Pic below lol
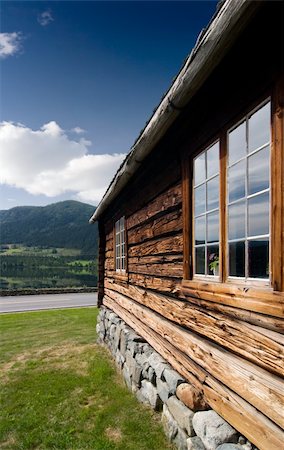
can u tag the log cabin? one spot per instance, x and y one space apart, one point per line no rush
191 229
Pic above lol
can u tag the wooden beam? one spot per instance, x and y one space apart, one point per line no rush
172 244
163 284
251 343
165 224
277 186
257 386
168 200
186 215
173 270
252 299
240 414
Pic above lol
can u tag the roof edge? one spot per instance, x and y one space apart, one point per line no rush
210 48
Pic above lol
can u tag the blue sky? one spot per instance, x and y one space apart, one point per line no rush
78 82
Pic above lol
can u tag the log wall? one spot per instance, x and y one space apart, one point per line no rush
228 343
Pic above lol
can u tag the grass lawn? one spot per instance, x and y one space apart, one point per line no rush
59 390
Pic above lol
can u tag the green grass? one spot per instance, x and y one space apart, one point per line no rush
60 390
22 250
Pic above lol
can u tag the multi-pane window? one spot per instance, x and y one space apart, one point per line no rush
248 196
246 180
206 211
120 265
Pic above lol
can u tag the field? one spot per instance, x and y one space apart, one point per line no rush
61 391
45 267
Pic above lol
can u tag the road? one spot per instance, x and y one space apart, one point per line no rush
46 301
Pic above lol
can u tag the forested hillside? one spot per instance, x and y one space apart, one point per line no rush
64 224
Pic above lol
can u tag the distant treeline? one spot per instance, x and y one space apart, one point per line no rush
63 224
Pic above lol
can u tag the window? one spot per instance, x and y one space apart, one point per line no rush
248 196
120 265
206 211
234 225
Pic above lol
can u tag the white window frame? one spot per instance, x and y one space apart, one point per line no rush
120 245
246 278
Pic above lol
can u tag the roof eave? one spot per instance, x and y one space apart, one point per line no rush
221 33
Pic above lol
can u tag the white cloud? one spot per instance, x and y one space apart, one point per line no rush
10 44
45 18
46 161
78 130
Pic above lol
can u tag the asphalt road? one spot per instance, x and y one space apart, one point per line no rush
46 301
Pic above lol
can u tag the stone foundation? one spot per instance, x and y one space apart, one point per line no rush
188 422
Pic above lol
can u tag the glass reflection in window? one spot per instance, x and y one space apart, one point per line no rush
206 210
249 196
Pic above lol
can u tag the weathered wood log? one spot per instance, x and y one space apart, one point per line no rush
169 199
109 245
174 270
162 284
269 322
158 259
168 223
257 386
154 184
256 427
243 339
252 299
260 320
172 244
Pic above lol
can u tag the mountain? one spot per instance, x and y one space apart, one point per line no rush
63 224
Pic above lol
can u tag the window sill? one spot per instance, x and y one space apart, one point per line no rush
258 299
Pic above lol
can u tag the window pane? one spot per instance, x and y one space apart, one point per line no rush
199 169
237 181
200 260
237 217
199 230
213 227
237 143
213 260
258 215
258 171
213 160
237 259
213 193
258 257
259 128
199 200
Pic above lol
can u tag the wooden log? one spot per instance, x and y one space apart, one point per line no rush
109 245
147 185
161 284
243 339
277 185
166 201
252 299
171 244
168 223
110 254
257 386
157 259
240 414
174 270
271 323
